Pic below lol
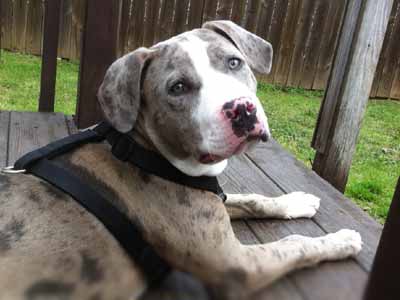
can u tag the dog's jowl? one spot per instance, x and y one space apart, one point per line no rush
192 100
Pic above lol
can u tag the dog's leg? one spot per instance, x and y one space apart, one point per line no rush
235 271
290 206
259 265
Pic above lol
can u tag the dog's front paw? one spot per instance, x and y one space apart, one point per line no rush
299 205
342 244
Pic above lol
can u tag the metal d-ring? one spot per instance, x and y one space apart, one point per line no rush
10 170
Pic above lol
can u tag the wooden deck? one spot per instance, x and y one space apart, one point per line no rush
268 170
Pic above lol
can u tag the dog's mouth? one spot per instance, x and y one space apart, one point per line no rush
210 158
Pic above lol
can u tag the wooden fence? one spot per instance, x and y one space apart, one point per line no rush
303 32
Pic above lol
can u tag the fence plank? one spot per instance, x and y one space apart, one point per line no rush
99 50
196 13
391 50
131 28
267 10
383 56
329 41
1 27
302 38
395 91
274 35
78 13
123 27
238 11
20 13
166 19
181 12
64 39
7 24
282 64
210 10
252 14
314 44
49 60
138 21
150 22
224 9
34 36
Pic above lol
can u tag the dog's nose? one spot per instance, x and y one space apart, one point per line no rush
243 116
240 108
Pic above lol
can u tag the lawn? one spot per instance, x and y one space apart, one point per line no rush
292 114
20 82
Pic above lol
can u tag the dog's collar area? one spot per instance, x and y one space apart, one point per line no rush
125 148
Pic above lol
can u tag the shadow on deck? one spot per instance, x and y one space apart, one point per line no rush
268 170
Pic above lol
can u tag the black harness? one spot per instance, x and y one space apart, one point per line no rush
39 163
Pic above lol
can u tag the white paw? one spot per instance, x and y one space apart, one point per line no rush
299 205
344 243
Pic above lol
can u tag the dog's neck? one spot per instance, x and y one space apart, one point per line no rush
143 140
138 133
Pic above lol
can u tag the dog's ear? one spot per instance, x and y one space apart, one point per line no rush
119 94
257 52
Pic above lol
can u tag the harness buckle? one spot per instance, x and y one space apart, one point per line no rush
11 170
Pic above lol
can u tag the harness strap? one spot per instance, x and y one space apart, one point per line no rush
57 148
130 238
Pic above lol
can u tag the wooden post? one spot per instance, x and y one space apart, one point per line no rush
99 50
348 89
49 55
383 282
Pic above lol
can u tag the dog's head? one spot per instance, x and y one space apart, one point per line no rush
194 95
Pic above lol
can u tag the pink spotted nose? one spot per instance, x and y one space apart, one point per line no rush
242 113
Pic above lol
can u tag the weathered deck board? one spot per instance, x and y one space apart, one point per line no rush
268 170
29 131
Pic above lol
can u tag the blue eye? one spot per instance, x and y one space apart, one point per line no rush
234 63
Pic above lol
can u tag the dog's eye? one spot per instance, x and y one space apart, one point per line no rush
234 63
178 89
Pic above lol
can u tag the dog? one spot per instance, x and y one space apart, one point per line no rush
192 99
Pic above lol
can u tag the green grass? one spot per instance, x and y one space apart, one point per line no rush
20 83
292 115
